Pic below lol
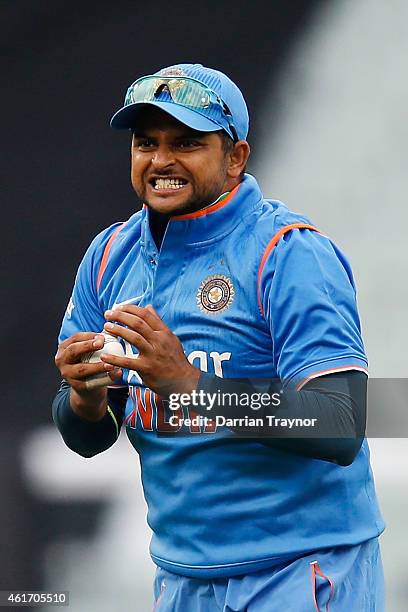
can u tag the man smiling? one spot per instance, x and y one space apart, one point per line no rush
230 287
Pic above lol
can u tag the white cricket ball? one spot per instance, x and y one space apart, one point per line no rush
112 346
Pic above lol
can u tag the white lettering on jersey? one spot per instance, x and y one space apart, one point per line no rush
218 359
70 307
132 373
202 358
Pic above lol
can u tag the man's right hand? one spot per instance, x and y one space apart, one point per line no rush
90 404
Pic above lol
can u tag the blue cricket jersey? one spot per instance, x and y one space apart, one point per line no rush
248 299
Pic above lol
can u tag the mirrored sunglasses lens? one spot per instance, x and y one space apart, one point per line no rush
189 94
144 91
182 91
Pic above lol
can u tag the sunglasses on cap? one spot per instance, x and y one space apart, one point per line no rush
184 91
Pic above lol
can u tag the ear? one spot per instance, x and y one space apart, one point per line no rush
238 158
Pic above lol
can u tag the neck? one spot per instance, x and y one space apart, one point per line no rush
158 223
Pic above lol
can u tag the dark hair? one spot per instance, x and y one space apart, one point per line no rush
226 141
228 146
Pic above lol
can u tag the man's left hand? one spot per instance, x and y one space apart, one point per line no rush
161 362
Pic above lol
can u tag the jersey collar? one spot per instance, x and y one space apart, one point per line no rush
210 223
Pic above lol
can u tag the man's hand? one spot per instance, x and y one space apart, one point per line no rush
161 362
90 404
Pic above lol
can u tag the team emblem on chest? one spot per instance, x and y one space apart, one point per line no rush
215 294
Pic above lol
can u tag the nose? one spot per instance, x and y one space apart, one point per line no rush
163 157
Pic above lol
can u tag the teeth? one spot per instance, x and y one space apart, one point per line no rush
166 183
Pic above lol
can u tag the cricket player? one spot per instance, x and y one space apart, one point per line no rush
264 502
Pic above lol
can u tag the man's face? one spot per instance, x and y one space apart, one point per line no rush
176 169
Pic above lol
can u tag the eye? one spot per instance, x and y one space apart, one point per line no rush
143 144
188 143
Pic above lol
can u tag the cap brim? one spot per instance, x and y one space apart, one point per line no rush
128 117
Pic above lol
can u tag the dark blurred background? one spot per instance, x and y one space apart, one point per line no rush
65 175
65 68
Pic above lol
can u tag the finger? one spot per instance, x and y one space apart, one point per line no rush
154 312
81 371
130 363
78 337
76 350
132 321
134 338
149 315
115 374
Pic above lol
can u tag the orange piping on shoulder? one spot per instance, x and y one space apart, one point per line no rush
105 255
271 245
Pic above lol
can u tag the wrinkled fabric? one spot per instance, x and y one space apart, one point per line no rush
355 572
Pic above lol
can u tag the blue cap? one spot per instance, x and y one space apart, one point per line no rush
208 119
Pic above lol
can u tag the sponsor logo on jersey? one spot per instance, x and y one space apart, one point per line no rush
70 308
215 294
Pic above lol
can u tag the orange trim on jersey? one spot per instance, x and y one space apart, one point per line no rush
315 569
206 211
105 255
313 576
330 371
271 245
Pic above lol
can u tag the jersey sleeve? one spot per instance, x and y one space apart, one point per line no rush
84 312
309 302
84 437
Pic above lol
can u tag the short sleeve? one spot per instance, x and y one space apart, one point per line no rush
84 313
309 301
